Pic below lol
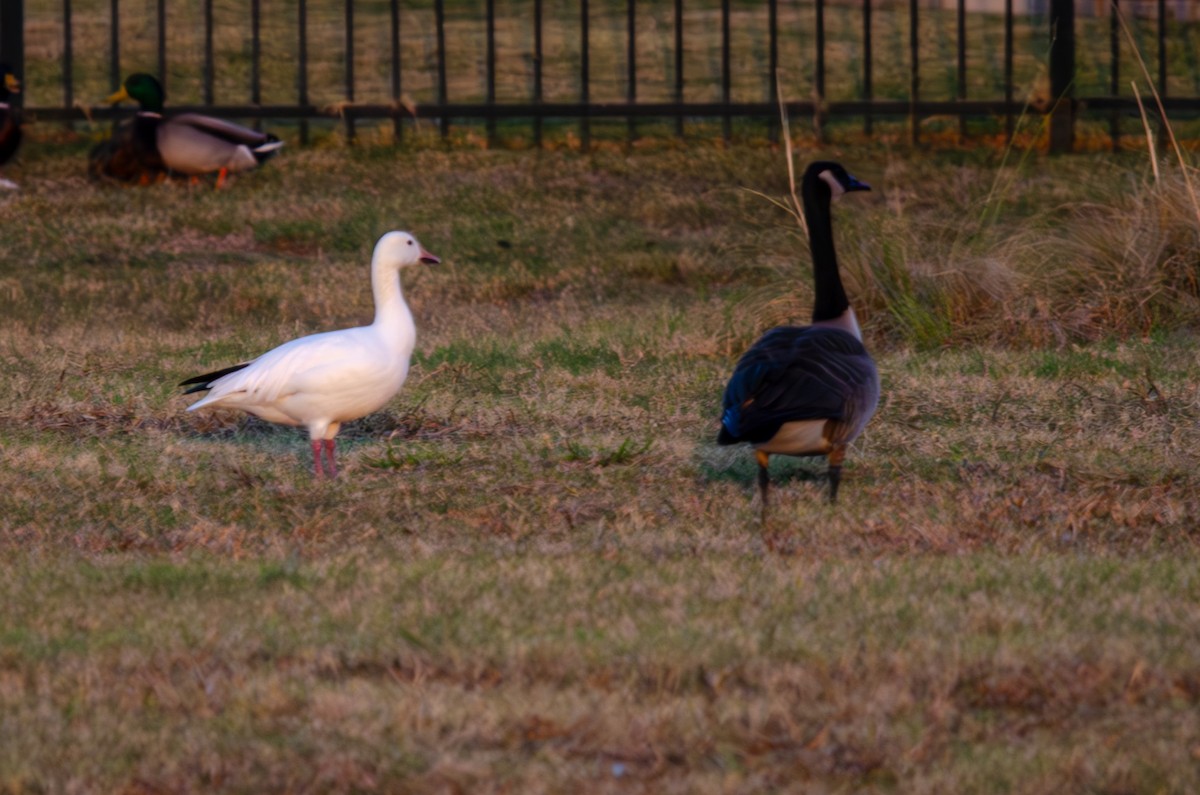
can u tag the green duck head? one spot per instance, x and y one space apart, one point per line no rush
143 89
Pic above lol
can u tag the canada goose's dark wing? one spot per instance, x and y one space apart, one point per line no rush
793 373
203 382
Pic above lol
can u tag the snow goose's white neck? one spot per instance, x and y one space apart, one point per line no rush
394 251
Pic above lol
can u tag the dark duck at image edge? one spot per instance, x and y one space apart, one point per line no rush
10 122
153 146
807 390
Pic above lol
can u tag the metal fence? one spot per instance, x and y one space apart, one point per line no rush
633 62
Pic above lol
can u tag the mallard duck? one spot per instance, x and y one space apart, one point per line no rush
807 390
323 380
189 143
10 123
130 155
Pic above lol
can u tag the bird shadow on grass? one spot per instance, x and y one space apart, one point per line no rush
232 426
379 426
737 465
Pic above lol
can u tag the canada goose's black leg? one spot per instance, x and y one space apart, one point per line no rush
835 478
836 456
764 482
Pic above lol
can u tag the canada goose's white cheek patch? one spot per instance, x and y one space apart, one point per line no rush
834 186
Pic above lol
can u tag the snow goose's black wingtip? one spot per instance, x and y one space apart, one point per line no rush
203 382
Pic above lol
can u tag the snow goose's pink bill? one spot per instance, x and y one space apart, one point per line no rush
323 380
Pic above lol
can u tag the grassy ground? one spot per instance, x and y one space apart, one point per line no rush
537 572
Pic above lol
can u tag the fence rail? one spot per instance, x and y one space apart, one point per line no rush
484 61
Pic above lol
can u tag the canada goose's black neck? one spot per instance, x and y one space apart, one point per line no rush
829 301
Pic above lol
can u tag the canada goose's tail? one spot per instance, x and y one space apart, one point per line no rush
730 421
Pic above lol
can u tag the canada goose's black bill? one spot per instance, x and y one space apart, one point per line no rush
856 184
842 183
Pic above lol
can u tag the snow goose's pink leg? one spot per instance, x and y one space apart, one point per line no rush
318 473
331 457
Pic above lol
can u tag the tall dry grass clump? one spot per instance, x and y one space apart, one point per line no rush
931 262
928 285
1120 268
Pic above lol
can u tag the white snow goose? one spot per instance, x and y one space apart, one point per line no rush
323 380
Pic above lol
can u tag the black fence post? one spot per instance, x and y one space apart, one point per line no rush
773 67
819 85
726 77
1114 87
537 71
351 131
12 39
914 80
114 44
439 23
1062 75
1163 135
867 90
1162 48
255 52
961 76
491 73
161 43
397 124
631 62
68 58
1009 124
585 123
208 52
678 88
302 66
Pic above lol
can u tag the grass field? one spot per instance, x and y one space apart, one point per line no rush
538 573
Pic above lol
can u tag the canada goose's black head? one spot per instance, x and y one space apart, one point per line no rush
833 176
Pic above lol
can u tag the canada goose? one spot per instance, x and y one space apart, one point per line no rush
323 380
10 124
807 390
190 143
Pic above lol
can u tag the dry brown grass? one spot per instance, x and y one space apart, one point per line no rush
538 573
